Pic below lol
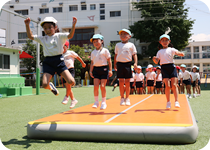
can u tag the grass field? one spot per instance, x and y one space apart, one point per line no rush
16 112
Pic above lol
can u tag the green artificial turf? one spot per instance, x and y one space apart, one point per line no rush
16 112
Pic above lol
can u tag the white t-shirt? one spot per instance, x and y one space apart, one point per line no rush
125 51
198 76
52 45
99 57
150 75
166 55
186 75
194 76
180 76
132 79
69 57
139 77
159 77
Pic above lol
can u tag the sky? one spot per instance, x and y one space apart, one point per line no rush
198 11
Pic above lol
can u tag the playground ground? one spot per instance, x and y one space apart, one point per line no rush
16 112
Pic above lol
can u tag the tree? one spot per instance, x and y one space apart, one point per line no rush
158 16
30 48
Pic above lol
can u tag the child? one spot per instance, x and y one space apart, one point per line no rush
139 80
132 86
199 83
179 76
150 79
194 75
124 51
53 49
187 79
98 68
159 81
168 69
69 57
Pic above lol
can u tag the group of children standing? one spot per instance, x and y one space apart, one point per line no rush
101 64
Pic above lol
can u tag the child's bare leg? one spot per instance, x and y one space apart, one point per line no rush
71 94
167 89
175 88
121 87
127 87
68 77
96 86
45 80
152 89
103 87
158 90
148 90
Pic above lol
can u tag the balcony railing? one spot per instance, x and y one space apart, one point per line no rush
196 55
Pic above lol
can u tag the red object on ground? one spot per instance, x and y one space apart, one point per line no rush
24 55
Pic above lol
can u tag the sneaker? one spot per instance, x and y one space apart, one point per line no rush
122 101
127 102
190 96
187 95
73 103
177 104
113 88
103 105
96 104
65 100
53 89
198 95
194 96
168 106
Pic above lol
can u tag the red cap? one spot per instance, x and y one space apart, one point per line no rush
67 43
177 67
154 69
147 69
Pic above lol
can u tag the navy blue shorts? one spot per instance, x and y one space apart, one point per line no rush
72 71
199 82
139 84
179 82
52 64
124 70
131 85
193 84
150 82
100 72
187 82
159 84
168 71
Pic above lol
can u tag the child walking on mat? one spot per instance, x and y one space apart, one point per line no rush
124 51
52 44
98 69
69 57
168 69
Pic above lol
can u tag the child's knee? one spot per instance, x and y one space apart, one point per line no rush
71 81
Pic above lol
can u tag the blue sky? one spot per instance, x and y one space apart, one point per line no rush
197 11
200 12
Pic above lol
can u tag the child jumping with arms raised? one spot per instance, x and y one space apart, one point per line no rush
124 51
52 44
168 69
69 57
98 69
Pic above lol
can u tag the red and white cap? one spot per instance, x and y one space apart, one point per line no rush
49 19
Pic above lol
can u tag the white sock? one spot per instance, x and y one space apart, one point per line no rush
103 99
96 98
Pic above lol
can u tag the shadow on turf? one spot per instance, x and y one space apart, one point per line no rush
26 141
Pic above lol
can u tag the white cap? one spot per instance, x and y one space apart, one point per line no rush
139 67
49 19
195 67
150 66
158 67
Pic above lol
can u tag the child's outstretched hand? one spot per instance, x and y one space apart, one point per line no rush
74 20
27 21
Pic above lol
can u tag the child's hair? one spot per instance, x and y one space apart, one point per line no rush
161 47
54 25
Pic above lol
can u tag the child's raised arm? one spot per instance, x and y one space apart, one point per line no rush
28 30
81 61
71 34
155 59
179 54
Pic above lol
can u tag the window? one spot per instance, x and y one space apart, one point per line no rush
102 5
32 8
196 52
92 6
4 61
102 11
102 17
115 13
83 7
206 48
57 9
22 37
22 12
44 10
73 8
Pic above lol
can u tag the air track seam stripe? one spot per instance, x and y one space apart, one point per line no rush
127 109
